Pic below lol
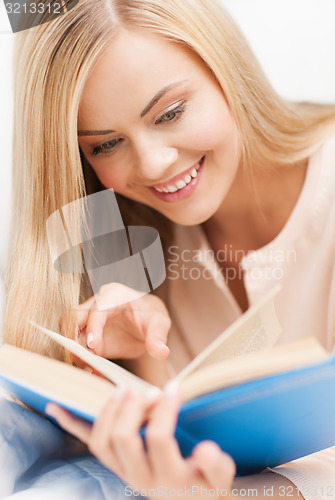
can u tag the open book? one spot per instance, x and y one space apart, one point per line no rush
239 391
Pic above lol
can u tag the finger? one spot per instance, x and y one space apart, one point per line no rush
104 434
75 426
128 443
156 337
100 442
82 312
161 444
94 329
75 319
217 467
151 319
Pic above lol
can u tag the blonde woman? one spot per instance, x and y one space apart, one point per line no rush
164 102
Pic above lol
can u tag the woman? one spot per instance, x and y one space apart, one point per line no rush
164 102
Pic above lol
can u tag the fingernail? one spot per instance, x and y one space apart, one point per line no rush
163 348
162 345
90 338
171 388
88 369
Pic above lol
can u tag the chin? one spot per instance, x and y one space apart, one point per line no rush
185 218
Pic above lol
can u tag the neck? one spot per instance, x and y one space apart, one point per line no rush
257 206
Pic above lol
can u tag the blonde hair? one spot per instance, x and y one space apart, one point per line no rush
53 62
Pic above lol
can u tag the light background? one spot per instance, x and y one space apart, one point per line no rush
293 39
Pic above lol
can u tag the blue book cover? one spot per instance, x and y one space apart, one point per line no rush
260 423
266 422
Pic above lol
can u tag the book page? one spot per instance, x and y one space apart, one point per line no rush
28 375
113 372
252 366
256 330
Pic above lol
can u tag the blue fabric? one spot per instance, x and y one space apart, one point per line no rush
37 461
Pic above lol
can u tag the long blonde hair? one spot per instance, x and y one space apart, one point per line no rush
52 64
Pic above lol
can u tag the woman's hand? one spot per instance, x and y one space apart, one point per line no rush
139 324
114 439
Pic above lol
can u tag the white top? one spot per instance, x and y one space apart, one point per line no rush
301 258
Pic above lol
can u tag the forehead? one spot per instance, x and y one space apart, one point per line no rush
135 66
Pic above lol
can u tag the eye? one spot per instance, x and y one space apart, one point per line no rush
107 147
172 115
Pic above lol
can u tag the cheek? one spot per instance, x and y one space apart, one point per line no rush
216 129
111 177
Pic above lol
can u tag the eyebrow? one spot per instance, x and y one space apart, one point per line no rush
159 96
146 110
95 132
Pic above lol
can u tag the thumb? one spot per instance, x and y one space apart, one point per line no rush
217 467
156 336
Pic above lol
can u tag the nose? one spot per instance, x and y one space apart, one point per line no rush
153 159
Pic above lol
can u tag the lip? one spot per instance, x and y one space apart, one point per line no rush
181 193
176 178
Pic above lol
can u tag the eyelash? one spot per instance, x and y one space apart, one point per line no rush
101 149
178 111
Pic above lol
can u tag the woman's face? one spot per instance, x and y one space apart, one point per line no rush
154 125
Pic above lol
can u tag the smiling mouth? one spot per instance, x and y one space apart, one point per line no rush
173 187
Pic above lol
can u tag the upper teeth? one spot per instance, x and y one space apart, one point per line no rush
181 183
